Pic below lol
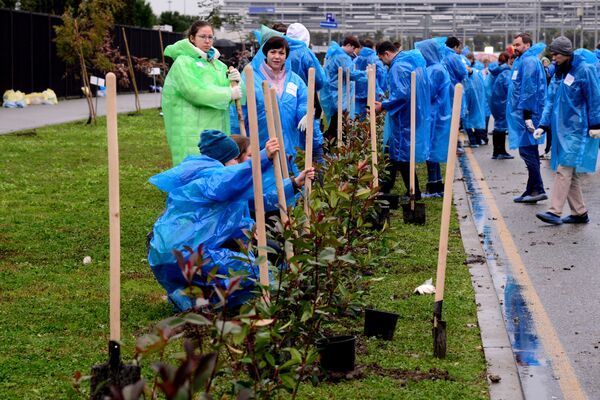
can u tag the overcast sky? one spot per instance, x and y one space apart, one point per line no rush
189 7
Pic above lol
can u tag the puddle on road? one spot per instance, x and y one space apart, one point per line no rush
534 368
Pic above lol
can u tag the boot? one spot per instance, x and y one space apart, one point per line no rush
440 188
497 138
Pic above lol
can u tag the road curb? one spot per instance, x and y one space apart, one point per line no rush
496 344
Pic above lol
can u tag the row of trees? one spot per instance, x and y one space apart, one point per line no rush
131 12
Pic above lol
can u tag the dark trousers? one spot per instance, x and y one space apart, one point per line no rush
530 155
392 170
434 171
548 141
330 135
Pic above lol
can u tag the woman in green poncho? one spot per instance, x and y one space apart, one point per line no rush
197 91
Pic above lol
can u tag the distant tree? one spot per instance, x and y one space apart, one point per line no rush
136 13
80 36
10 4
56 7
179 22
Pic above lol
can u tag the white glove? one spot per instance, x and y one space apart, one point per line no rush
529 125
538 133
236 93
302 124
595 133
426 288
234 75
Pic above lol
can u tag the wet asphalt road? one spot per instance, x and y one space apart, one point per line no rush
563 264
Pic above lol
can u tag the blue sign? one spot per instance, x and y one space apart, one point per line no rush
328 25
261 10
329 17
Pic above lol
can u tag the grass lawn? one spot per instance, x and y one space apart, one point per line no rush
54 309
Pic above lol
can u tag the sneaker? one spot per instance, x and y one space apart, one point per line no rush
473 146
505 157
530 199
495 156
460 151
549 218
576 219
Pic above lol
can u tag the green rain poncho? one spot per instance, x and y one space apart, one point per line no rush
196 96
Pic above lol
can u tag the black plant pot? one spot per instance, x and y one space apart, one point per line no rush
337 353
380 324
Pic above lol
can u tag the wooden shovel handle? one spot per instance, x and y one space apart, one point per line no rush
372 122
238 109
310 118
447 204
259 206
279 130
113 207
340 107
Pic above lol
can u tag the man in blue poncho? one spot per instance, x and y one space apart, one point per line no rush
497 89
441 112
338 56
572 111
526 96
456 69
474 104
366 57
207 205
396 136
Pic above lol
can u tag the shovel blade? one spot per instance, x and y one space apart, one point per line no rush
113 373
439 339
413 213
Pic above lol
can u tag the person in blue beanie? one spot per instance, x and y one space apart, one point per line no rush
207 206
366 57
396 136
526 96
572 112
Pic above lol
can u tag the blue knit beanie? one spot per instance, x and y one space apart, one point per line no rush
217 145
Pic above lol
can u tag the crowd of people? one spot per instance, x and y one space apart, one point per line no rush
209 186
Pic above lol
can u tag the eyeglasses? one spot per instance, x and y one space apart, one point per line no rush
209 38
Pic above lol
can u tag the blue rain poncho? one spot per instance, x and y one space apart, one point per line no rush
572 107
396 135
337 57
527 91
292 107
368 56
474 101
301 59
497 88
484 99
207 205
455 67
441 103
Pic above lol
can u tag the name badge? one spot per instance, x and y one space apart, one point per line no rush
514 75
291 88
569 79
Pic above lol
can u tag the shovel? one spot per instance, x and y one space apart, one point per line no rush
114 372
439 326
340 107
413 212
238 110
259 206
310 117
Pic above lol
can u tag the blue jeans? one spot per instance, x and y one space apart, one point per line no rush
530 155
434 171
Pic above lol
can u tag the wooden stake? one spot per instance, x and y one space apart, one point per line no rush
276 160
340 107
113 207
279 130
348 91
138 106
238 109
372 122
310 117
259 206
413 135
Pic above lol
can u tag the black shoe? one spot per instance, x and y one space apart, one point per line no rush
549 218
505 157
495 156
576 219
